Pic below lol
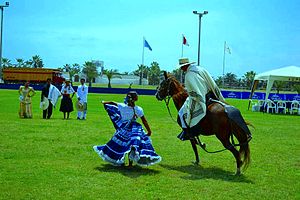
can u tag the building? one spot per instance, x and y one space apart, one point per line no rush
122 79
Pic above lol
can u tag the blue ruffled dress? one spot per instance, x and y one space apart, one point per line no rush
129 138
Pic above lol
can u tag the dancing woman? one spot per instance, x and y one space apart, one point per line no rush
130 137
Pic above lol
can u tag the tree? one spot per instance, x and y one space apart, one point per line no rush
248 78
28 63
75 69
20 62
66 67
71 69
142 72
154 73
110 74
177 73
90 70
230 79
296 87
240 82
6 63
219 81
279 85
37 62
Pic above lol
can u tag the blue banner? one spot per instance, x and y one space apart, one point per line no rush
225 93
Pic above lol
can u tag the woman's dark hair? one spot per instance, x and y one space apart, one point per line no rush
131 96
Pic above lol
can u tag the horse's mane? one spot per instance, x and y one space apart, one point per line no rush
176 82
179 93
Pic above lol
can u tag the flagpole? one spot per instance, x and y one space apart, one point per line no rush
224 64
143 51
142 61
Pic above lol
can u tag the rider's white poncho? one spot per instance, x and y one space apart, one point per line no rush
198 83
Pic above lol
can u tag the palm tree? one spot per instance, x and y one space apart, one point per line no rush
28 63
296 87
230 79
110 74
71 69
20 62
6 63
90 70
37 62
177 73
66 67
248 78
75 69
154 74
142 72
279 85
219 81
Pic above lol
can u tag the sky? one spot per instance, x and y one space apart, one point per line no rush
261 34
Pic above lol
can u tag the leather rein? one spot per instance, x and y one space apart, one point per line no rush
202 145
167 100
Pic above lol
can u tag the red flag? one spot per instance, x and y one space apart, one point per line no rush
184 41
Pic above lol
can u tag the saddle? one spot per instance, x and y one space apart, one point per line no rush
210 98
196 130
232 112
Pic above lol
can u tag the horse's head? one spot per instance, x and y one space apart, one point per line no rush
166 87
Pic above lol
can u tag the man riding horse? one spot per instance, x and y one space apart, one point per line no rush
200 87
202 111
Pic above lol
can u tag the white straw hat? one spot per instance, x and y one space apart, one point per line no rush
44 104
184 61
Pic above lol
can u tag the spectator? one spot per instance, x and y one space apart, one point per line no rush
26 93
66 105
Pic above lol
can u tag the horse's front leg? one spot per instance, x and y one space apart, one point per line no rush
194 145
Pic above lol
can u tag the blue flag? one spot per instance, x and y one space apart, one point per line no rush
146 44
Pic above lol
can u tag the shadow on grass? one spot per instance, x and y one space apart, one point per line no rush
132 172
197 172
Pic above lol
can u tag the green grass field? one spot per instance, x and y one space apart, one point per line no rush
54 159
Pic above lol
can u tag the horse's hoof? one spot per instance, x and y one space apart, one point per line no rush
195 162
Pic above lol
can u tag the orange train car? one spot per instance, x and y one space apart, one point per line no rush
34 75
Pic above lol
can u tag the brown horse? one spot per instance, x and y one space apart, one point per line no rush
216 122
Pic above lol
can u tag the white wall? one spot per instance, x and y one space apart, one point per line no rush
126 79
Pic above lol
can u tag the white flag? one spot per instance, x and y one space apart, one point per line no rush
227 49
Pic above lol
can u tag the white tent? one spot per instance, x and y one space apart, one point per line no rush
289 73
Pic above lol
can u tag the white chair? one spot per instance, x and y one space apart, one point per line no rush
255 106
295 106
270 106
261 104
281 106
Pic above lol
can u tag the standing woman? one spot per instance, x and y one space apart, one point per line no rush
66 105
130 138
26 93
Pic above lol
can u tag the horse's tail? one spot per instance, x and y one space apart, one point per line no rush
242 137
241 131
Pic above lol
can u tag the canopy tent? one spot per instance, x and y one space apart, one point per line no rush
289 73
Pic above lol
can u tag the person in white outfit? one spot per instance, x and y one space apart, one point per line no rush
199 85
82 93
